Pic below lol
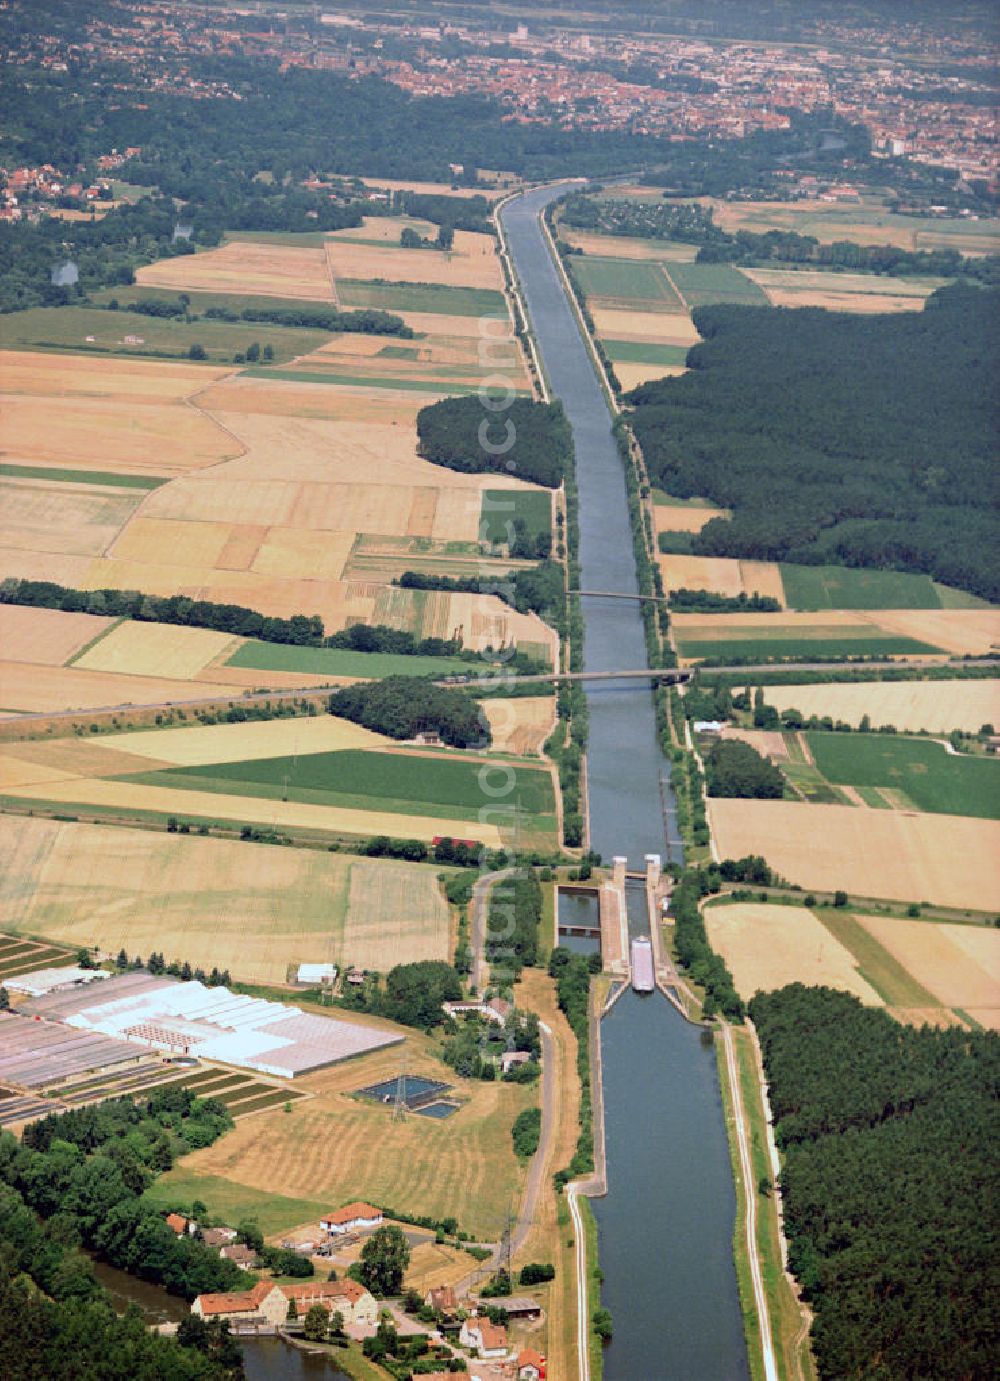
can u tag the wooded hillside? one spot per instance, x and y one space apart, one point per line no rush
854 440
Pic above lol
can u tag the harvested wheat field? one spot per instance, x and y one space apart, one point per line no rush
385 229
471 263
682 517
267 738
975 632
664 328
632 375
131 797
142 382
937 706
769 946
945 860
959 964
248 908
27 687
521 725
43 565
432 1265
843 302
337 1148
627 247
246 267
247 396
63 758
720 575
156 649
47 636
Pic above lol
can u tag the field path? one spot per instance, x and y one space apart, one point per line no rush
480 916
683 299
327 247
750 1197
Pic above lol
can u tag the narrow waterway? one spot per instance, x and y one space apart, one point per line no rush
666 1224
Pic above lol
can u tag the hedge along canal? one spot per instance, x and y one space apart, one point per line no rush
665 1227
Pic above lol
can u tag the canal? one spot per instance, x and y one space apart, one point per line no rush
666 1224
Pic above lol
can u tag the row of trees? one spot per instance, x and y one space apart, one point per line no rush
694 952
515 915
573 973
889 1136
539 589
876 431
530 440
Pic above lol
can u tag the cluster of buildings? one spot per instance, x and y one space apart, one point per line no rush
26 192
906 85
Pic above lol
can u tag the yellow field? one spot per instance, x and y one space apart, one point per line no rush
831 221
57 410
27 686
959 964
937 706
43 565
432 1265
60 759
384 228
246 266
844 302
131 797
684 518
719 574
337 1148
267 738
156 649
76 520
958 631
248 908
947 860
471 263
624 247
769 946
521 725
663 328
844 284
632 375
47 636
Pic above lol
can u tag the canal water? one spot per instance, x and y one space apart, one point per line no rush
666 1224
264 1359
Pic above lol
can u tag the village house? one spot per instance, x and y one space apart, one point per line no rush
442 1299
511 1058
218 1237
488 1340
243 1257
530 1365
352 1218
266 1304
177 1223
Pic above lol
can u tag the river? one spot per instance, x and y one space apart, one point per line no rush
666 1224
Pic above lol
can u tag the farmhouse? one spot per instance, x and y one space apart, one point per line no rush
496 1010
218 1237
177 1223
267 1303
352 1218
442 1299
511 1058
530 1365
487 1339
243 1257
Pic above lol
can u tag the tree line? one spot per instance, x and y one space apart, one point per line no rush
877 432
889 1137
515 915
539 589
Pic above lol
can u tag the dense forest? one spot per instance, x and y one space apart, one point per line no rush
890 1181
404 706
530 440
735 768
853 440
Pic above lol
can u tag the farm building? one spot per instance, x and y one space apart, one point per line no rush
352 1218
268 1303
487 1340
243 1257
324 974
530 1365
44 981
214 1023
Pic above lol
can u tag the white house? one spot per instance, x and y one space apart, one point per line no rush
352 1218
324 974
487 1339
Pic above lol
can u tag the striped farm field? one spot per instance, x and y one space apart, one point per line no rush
54 517
522 724
249 908
934 706
920 773
472 262
644 352
207 743
843 587
626 283
703 285
464 1166
945 860
719 574
959 964
832 633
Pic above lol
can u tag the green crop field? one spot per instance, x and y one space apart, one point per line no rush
67 328
932 778
631 282
843 587
420 297
799 648
200 302
305 376
301 239
231 1202
644 352
533 507
703 285
339 661
45 472
406 784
